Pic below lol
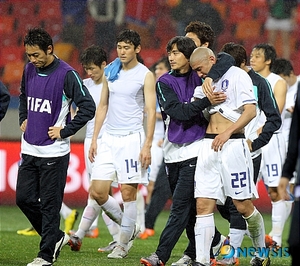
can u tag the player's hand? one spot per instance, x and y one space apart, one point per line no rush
219 141
160 143
93 151
207 86
290 109
54 132
282 188
145 157
24 125
217 97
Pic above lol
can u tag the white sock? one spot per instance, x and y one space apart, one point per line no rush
288 209
113 209
236 238
65 211
256 228
128 222
95 222
90 213
140 219
204 234
113 228
278 220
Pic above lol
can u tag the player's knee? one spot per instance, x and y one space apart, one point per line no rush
273 193
205 206
128 192
101 198
244 207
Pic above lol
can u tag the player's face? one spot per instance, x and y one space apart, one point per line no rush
194 37
95 72
38 57
126 52
257 60
160 69
202 67
177 60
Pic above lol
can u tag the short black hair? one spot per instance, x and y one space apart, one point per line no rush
282 66
129 36
39 37
185 45
237 51
93 55
204 32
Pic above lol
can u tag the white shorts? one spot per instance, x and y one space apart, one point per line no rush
118 159
273 157
279 24
228 172
156 160
88 164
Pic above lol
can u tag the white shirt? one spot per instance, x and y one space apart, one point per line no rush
273 78
95 91
289 102
126 101
238 89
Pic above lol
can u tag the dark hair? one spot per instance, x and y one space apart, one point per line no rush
237 51
39 37
282 66
129 36
185 45
93 55
269 52
203 31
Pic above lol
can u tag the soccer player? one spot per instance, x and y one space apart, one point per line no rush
124 153
224 157
93 60
284 69
265 104
262 59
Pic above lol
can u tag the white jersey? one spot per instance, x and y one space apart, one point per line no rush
274 153
289 102
273 78
238 89
228 172
95 91
126 101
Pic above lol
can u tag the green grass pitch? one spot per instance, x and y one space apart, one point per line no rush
16 250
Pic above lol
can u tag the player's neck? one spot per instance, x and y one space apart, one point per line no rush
98 81
129 65
265 72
